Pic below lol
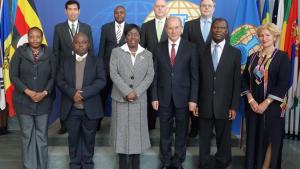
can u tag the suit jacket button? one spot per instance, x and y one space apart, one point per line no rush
215 92
172 74
131 86
34 78
132 77
215 78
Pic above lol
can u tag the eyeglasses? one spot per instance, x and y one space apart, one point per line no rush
207 6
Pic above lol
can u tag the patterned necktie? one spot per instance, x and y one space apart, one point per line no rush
172 58
159 30
35 54
215 56
205 30
73 29
118 34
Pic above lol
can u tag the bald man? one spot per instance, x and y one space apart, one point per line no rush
174 91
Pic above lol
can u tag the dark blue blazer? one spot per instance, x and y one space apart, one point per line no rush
178 82
93 81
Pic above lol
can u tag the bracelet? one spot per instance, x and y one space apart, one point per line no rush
268 100
251 100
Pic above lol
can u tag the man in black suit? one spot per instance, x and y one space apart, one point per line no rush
174 91
219 95
153 32
112 36
198 31
81 77
63 37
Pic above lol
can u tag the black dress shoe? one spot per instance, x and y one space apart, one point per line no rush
62 131
193 133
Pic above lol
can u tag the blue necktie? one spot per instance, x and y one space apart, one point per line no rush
215 56
205 30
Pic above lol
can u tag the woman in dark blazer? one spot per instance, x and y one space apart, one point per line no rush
32 72
265 84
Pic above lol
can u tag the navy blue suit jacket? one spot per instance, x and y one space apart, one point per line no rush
93 81
178 82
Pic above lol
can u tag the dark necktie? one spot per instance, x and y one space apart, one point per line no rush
172 58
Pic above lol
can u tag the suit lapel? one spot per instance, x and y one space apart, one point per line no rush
127 59
67 34
198 31
153 30
208 54
112 30
222 58
166 53
179 53
72 70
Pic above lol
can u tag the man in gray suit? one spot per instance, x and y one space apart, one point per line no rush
63 37
152 33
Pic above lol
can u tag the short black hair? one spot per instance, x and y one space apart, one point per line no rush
129 27
220 19
35 28
71 2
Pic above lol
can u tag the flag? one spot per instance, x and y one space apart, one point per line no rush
25 17
266 13
287 6
291 47
244 38
5 41
275 12
280 14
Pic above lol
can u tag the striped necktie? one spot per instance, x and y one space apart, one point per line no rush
119 34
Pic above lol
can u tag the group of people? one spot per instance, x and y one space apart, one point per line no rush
191 74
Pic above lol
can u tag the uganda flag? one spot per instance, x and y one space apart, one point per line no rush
25 18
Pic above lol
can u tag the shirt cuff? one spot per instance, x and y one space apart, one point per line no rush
275 98
245 92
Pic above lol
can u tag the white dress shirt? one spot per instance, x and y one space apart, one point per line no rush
176 45
220 48
122 26
140 49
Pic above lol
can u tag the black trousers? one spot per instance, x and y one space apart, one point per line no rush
82 132
129 161
151 114
223 138
167 117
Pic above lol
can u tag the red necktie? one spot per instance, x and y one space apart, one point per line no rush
172 58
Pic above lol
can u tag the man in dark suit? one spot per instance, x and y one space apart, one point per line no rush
63 37
81 77
153 32
174 91
198 31
219 95
112 36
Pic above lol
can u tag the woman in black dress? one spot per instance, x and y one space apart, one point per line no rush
265 83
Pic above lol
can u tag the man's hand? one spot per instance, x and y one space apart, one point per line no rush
77 98
155 105
196 112
192 106
31 94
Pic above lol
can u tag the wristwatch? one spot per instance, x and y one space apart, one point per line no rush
45 92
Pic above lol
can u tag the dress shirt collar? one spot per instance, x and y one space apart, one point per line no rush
139 50
75 23
221 44
177 42
122 25
163 20
203 19
80 58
